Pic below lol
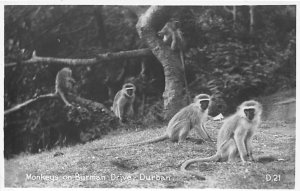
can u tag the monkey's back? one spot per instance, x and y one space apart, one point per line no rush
61 81
189 115
229 126
118 94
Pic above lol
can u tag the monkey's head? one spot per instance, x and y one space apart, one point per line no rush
129 89
251 110
203 101
167 31
67 70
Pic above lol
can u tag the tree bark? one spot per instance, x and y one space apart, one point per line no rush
100 26
251 13
86 62
147 27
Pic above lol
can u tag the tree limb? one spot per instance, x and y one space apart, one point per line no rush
81 101
232 11
20 106
86 62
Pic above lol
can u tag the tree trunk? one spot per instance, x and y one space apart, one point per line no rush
232 11
251 13
100 25
147 27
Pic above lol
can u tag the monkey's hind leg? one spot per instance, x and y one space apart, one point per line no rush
118 110
232 151
183 132
177 130
130 112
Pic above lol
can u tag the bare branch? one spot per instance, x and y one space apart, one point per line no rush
90 61
81 101
232 11
20 106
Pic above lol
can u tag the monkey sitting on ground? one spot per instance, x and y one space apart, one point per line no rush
64 84
123 102
171 33
191 116
235 136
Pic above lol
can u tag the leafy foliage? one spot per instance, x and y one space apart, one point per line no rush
223 58
234 64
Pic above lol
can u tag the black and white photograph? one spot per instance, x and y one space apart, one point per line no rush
149 96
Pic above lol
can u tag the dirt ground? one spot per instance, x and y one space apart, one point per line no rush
157 165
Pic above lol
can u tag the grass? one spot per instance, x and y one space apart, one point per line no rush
127 167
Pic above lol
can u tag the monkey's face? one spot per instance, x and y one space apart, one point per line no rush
249 113
130 92
166 32
251 110
164 36
202 100
204 104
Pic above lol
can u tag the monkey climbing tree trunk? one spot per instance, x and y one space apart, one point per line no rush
148 25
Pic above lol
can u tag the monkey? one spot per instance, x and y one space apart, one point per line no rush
191 116
123 102
64 83
171 33
235 136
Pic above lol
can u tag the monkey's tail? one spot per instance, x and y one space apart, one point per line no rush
161 138
183 167
184 73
